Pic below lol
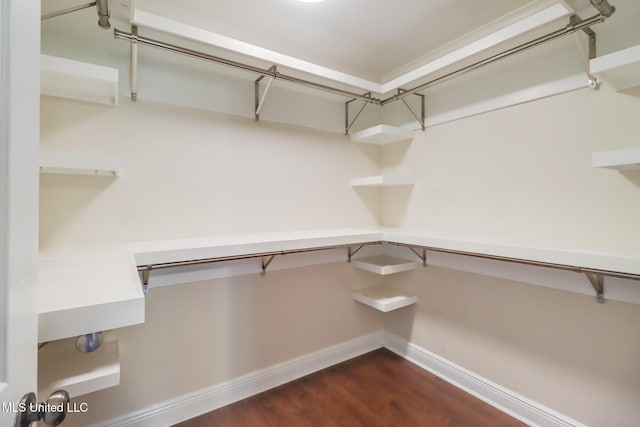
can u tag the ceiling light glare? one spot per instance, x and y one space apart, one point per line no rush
310 1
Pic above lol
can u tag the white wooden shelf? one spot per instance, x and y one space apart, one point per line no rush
67 78
78 164
381 181
382 134
384 298
84 290
627 159
383 264
61 366
620 69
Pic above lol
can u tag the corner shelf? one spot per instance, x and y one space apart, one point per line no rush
627 159
620 69
78 164
67 78
384 298
381 181
61 366
383 264
382 134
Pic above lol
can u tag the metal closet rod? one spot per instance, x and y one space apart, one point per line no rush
568 29
149 267
574 268
367 98
134 38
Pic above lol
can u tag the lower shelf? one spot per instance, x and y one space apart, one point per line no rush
61 366
384 298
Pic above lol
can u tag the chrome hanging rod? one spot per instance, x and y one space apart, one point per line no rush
149 267
69 10
568 29
102 7
134 38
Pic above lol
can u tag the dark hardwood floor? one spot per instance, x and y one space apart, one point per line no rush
376 389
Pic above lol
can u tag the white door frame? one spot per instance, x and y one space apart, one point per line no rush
19 145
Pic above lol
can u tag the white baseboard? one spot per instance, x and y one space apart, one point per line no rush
193 404
526 410
199 402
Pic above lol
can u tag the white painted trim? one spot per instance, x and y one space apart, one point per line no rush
160 23
150 20
567 84
196 403
509 32
526 410
193 404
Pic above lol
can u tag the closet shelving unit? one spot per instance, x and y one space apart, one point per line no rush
620 69
61 367
385 297
82 292
627 159
80 81
382 135
67 78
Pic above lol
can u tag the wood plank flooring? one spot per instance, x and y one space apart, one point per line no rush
376 389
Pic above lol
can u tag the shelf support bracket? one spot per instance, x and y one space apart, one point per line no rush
347 123
266 260
145 278
420 118
597 281
351 252
259 100
133 70
422 255
588 54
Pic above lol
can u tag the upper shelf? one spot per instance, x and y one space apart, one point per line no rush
85 290
618 159
78 164
620 69
67 78
382 134
383 264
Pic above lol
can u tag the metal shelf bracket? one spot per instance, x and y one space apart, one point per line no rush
259 100
588 54
351 252
145 278
420 118
422 255
133 70
347 123
266 260
597 281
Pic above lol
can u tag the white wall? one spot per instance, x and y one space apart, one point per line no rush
523 175
202 334
560 349
189 173
517 175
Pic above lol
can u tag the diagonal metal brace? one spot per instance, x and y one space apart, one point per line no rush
420 118
145 279
351 252
259 100
347 123
422 256
597 281
266 260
